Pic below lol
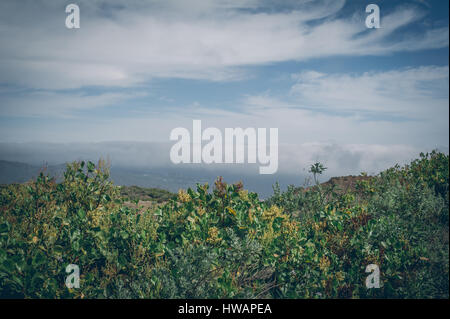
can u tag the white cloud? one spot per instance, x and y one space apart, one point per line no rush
414 93
122 46
295 159
59 105
345 159
397 107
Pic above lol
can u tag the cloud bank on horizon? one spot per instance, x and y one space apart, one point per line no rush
337 91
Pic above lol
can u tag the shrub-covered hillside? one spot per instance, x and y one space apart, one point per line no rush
136 193
225 242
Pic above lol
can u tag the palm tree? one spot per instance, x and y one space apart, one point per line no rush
317 169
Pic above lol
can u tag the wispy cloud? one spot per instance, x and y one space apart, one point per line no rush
412 93
340 159
50 104
403 106
199 40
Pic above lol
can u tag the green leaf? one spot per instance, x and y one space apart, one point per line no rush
37 281
58 249
138 217
91 167
8 266
38 259
76 245
2 255
122 261
277 224
81 213
124 234
4 228
17 281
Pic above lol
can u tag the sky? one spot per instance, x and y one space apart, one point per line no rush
357 99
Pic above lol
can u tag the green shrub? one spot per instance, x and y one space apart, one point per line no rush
227 243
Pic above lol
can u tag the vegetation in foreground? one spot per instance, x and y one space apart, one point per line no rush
227 243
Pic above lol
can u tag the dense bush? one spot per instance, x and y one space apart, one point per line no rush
226 242
136 193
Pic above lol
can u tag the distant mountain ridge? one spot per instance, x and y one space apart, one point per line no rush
165 178
17 172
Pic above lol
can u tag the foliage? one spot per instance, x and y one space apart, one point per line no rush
134 193
226 242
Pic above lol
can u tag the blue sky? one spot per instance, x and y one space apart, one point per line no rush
135 70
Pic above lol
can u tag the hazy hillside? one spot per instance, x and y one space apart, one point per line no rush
171 179
14 172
